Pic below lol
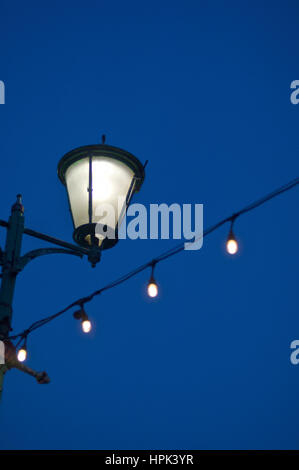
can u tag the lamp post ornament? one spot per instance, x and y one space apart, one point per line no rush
93 175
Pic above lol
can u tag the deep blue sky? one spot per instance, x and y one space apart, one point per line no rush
201 90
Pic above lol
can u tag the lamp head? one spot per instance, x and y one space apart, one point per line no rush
100 181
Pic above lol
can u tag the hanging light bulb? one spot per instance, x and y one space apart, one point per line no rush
86 325
152 286
231 242
85 322
22 353
152 289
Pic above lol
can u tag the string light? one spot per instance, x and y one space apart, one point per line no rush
231 242
85 322
22 353
152 286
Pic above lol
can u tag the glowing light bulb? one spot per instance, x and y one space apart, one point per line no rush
22 354
152 289
86 326
232 246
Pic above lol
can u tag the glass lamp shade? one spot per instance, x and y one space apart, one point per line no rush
100 182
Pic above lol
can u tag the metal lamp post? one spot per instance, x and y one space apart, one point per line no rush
94 175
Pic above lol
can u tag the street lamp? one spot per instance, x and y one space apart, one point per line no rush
100 182
96 176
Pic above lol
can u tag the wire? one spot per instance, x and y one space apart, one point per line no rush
162 257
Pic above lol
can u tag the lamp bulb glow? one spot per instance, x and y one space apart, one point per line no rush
152 289
86 326
22 355
232 246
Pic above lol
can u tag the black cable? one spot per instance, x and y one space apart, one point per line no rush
162 257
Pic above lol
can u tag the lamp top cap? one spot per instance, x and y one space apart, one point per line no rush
102 150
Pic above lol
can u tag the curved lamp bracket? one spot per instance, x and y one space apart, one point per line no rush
21 263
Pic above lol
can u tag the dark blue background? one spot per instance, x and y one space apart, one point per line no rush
201 90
